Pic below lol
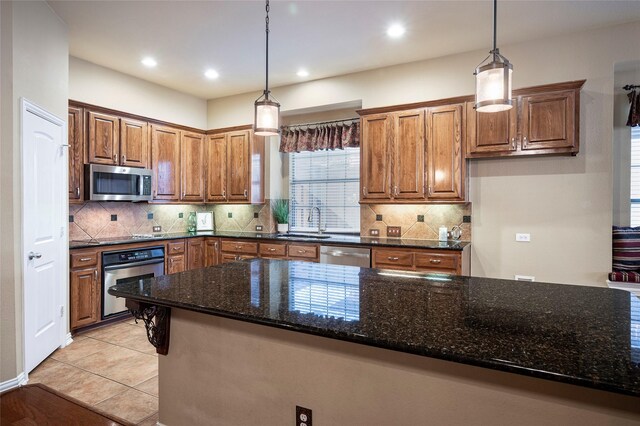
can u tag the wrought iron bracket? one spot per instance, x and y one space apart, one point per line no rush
156 320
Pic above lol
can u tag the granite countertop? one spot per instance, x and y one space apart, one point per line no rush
333 239
566 333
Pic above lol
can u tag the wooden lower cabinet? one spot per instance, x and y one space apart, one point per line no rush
84 297
176 263
442 261
211 252
195 253
273 250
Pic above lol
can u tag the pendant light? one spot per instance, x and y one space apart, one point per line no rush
267 110
493 79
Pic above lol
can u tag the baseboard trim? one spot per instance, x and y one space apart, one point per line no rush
68 340
13 383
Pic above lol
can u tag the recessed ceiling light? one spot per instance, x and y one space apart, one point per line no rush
302 73
211 74
395 31
149 62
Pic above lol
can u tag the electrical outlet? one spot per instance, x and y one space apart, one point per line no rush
374 232
524 238
258 227
157 228
466 219
393 231
524 278
303 416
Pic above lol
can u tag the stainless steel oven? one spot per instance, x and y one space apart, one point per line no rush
127 266
115 183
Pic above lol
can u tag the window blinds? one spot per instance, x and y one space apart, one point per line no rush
329 180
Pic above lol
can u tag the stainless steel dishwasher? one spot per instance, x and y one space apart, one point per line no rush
350 256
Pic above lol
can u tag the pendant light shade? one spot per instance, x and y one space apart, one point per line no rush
493 78
267 110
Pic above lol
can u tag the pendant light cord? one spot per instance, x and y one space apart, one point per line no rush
266 90
495 26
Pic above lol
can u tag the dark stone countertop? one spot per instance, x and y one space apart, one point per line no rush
334 239
585 336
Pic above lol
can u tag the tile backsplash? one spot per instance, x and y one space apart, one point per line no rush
120 219
419 221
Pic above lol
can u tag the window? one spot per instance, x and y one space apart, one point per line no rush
635 176
329 180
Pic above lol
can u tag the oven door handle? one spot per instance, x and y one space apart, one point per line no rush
132 264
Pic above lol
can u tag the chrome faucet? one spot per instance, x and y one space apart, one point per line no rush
320 230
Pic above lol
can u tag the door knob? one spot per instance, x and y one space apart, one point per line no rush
33 255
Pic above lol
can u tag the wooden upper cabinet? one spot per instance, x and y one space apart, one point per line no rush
76 154
165 162
238 165
409 151
192 166
375 156
491 132
445 163
549 121
103 138
134 143
216 165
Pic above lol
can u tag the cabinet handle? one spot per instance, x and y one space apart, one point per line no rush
215 246
95 275
115 158
395 190
272 249
245 192
513 143
171 259
436 261
302 251
429 189
238 247
364 191
78 191
124 159
176 248
524 141
393 258
224 194
85 259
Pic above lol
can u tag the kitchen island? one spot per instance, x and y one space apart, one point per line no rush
248 341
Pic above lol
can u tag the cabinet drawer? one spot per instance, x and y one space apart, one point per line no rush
228 258
302 251
80 260
273 250
175 247
239 247
437 261
393 258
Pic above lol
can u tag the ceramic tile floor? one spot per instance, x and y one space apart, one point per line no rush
114 369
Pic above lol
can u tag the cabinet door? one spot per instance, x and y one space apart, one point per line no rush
76 154
134 143
103 138
375 157
195 253
216 161
176 264
445 162
192 167
548 122
409 148
211 251
84 292
238 161
491 132
165 162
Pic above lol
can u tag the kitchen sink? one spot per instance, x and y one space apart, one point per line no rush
316 236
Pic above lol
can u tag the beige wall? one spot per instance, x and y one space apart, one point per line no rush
102 86
625 73
564 202
226 372
35 66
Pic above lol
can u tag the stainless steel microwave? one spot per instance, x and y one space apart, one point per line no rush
115 183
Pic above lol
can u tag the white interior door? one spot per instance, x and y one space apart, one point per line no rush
44 194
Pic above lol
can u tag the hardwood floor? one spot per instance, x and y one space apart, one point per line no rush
114 369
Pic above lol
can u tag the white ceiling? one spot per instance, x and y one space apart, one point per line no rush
326 37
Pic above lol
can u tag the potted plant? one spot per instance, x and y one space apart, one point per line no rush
280 210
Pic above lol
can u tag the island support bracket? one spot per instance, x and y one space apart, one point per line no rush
156 320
